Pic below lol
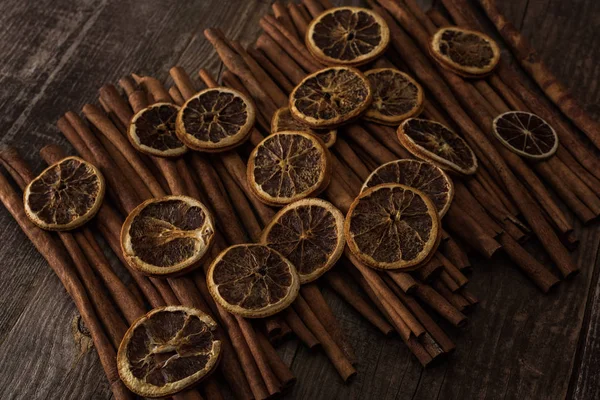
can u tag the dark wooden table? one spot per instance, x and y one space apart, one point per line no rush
55 54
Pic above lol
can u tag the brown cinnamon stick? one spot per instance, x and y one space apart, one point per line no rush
299 328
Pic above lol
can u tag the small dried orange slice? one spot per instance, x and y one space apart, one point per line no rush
330 97
434 142
420 175
283 121
152 131
252 280
167 236
168 350
465 52
392 226
65 195
347 36
215 119
288 166
526 134
309 233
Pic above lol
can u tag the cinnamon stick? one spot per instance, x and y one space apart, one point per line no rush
300 329
434 300
271 69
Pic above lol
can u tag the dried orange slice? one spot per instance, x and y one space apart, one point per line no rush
167 236
215 119
434 142
168 350
526 134
465 52
283 121
347 36
252 280
420 175
392 226
288 166
330 97
65 195
309 233
152 131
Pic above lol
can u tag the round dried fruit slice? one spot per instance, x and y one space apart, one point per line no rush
330 97
392 226
465 52
288 166
420 175
434 142
215 119
283 121
396 96
152 131
347 36
167 236
252 280
65 195
526 134
168 350
309 233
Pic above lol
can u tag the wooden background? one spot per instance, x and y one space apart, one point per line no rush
55 54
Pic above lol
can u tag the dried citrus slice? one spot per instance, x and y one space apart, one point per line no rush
283 121
215 119
65 195
309 233
330 97
392 226
347 36
434 142
420 175
168 350
396 96
288 166
152 131
526 134
252 280
167 236
468 53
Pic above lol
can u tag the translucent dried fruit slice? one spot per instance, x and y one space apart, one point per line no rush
526 134
347 36
215 119
330 97
168 350
468 53
167 236
152 131
396 96
288 166
392 226
253 280
283 121
420 175
65 195
434 142
309 233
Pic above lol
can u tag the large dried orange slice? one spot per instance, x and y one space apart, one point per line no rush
330 97
152 131
347 36
65 195
215 119
168 350
396 96
421 175
526 134
167 236
288 166
309 233
253 280
283 121
392 226
434 142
